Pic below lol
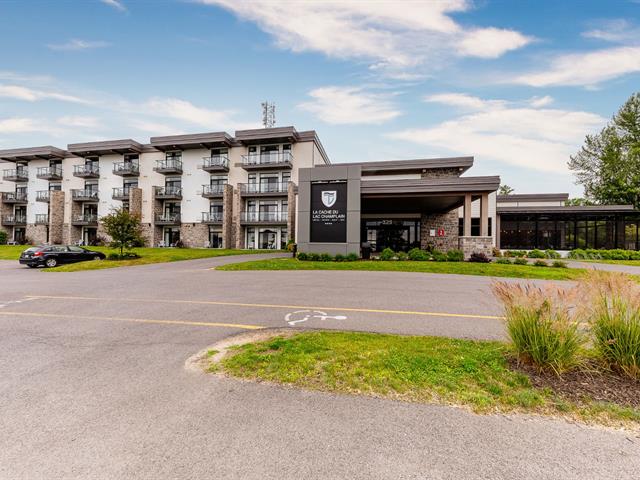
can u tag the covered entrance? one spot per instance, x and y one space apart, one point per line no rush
396 234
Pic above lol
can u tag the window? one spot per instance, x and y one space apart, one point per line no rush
76 249
251 237
173 156
475 227
283 239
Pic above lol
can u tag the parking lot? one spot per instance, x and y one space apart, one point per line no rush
93 384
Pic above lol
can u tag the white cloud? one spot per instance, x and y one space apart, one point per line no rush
79 121
534 138
617 31
76 44
117 4
188 112
349 105
20 92
393 36
461 100
539 102
585 69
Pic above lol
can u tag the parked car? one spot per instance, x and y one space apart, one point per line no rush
52 255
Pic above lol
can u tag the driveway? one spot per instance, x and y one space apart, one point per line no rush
93 384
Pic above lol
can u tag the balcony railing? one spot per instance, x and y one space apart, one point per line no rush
211 191
87 170
121 193
212 217
167 193
14 197
43 195
15 175
50 173
84 195
264 188
169 167
14 220
42 219
267 217
85 219
269 160
216 163
167 219
127 169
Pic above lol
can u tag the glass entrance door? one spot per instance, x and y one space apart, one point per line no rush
398 235
267 239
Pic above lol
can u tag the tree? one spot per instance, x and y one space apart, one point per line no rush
505 190
124 229
578 202
608 164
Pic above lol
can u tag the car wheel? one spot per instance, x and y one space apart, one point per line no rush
97 257
51 262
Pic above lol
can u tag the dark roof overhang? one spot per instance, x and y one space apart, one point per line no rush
267 135
533 197
108 147
192 141
413 166
33 153
592 209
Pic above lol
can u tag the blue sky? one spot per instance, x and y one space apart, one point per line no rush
516 84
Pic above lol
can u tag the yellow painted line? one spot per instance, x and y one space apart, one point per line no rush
267 305
133 320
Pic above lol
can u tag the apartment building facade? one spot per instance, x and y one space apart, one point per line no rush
204 190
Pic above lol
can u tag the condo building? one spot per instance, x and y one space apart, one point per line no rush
265 187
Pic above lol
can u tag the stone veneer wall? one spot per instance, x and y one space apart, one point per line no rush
5 209
291 212
72 233
194 234
441 172
237 213
448 222
56 217
36 234
471 245
151 232
227 217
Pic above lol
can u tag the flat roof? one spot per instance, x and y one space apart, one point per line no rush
413 166
106 147
190 141
267 135
533 197
569 209
431 185
32 153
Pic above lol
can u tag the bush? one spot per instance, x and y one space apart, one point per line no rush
540 326
551 254
615 254
123 256
520 261
455 256
438 256
515 253
402 256
387 254
578 254
313 257
352 257
479 257
302 256
3 237
503 260
496 252
559 264
325 257
418 255
540 263
338 258
536 254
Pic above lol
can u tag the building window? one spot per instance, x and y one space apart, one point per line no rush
251 238
475 227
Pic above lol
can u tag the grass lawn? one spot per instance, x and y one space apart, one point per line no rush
148 255
464 268
475 374
632 263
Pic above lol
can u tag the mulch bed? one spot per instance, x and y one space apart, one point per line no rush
590 382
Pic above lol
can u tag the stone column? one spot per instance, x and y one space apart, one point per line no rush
56 216
466 231
484 215
291 214
5 209
73 234
227 217
36 234
135 202
496 230
445 222
237 214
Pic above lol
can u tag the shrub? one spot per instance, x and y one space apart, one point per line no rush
540 326
302 256
352 257
536 254
515 253
559 264
418 255
455 256
551 254
3 237
496 252
123 256
439 256
402 256
540 263
520 261
338 258
578 254
387 254
313 257
479 257
503 260
325 257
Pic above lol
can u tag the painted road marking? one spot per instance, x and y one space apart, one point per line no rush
300 316
134 320
6 303
267 305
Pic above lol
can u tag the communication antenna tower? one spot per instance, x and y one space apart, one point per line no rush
268 114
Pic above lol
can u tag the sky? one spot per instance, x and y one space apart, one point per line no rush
515 84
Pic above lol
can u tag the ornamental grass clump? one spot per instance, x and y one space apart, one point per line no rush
614 316
541 325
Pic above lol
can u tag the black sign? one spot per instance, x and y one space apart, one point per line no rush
329 212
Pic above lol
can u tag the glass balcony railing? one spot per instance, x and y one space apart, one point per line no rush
271 187
267 159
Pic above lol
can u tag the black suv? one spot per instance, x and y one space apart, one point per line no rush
50 256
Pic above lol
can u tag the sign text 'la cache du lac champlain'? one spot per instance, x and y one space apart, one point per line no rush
329 212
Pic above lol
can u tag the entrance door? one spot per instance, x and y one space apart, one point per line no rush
267 239
89 236
171 236
395 237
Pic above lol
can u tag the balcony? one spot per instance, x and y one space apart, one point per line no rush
167 193
14 197
84 195
264 189
167 219
85 220
43 196
86 171
168 167
16 175
212 218
14 220
264 217
266 161
49 173
126 169
42 219
215 164
212 191
121 193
